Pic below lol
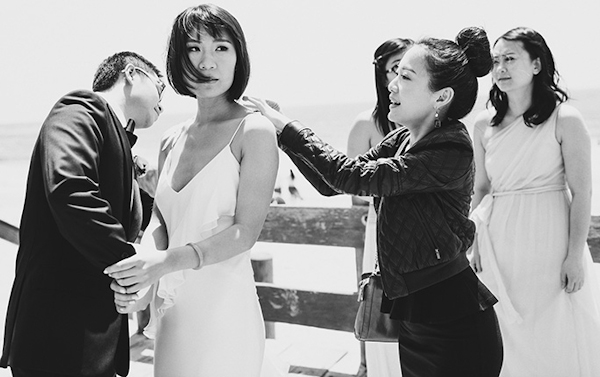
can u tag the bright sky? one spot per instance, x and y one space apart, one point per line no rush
302 51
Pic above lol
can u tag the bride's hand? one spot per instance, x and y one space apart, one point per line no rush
270 110
138 271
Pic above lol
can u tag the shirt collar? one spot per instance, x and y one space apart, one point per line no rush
121 117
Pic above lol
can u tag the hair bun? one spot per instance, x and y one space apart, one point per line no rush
475 44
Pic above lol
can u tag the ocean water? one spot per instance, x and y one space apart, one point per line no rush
332 122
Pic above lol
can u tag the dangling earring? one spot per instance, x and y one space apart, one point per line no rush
437 123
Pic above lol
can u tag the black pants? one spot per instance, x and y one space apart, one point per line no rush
21 372
468 347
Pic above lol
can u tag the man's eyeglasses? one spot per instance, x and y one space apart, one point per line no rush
160 86
393 69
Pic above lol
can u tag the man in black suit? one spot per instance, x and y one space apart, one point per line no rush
82 212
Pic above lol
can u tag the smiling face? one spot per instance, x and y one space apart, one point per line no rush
412 101
513 68
215 59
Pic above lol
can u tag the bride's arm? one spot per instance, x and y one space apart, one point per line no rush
258 170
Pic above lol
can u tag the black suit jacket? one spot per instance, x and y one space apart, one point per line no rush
77 214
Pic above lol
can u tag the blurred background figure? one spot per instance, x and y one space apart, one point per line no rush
367 131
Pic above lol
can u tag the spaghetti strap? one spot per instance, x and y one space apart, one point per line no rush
238 127
194 327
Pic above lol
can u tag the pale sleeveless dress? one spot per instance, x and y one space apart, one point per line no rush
207 322
522 235
383 359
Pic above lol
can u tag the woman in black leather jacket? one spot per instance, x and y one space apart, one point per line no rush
422 176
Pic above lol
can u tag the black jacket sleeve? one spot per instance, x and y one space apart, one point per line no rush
441 163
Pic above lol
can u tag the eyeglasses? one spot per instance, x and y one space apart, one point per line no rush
393 69
160 86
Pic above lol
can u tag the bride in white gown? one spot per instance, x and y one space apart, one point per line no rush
216 181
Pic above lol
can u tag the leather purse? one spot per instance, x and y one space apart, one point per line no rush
371 324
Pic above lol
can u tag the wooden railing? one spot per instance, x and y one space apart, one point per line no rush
337 227
342 227
9 232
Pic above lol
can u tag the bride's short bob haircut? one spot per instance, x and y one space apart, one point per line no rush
217 22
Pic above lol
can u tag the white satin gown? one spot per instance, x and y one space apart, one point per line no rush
206 322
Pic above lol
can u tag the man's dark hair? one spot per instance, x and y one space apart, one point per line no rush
109 70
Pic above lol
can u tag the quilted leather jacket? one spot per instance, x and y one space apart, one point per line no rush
424 195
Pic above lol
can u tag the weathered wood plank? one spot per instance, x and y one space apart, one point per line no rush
594 238
341 227
9 232
138 344
275 232
326 310
311 359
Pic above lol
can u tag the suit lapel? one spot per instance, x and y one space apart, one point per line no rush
127 169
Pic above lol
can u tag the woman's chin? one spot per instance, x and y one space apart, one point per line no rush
393 118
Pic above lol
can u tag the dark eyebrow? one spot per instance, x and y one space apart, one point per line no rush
506 54
223 40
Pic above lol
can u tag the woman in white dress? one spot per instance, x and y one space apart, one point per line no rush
216 181
532 210
367 131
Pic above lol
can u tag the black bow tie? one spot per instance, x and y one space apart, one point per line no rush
129 131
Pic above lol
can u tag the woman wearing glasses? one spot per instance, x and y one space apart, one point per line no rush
368 130
217 175
423 174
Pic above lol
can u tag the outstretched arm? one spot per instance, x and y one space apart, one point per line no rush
431 167
279 120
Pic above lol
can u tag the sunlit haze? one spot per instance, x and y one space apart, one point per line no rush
302 51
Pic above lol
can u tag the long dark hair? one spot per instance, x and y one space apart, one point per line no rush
216 22
381 56
546 92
